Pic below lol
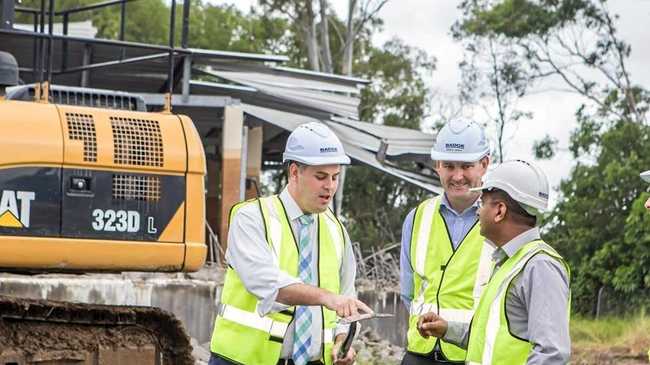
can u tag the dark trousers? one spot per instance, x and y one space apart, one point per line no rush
434 358
216 360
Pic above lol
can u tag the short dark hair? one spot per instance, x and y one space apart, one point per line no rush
288 163
516 211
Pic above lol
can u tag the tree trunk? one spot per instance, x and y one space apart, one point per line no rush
326 53
309 28
350 34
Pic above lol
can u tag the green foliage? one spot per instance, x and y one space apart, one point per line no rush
545 147
376 203
222 27
519 18
398 94
600 225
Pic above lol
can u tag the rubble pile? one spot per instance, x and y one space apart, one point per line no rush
373 350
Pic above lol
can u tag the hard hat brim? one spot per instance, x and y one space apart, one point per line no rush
646 176
317 161
458 157
480 188
532 210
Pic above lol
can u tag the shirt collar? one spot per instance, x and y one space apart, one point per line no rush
444 202
293 210
515 244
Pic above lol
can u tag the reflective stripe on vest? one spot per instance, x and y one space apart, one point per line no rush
273 328
443 277
237 320
490 341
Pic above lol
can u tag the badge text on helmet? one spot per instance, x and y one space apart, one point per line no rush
455 147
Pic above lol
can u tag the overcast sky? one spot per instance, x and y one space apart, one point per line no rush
426 24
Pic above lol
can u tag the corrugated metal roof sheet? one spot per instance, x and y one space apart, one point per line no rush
315 94
360 146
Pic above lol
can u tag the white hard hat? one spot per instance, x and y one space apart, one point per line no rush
314 144
523 181
646 176
460 140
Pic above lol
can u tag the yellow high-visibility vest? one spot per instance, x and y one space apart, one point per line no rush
240 334
445 281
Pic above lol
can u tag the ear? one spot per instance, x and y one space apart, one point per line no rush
484 162
293 171
437 165
502 210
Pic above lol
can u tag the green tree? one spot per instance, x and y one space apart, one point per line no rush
575 41
376 203
597 225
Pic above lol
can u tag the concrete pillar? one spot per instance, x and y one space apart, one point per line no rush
254 165
231 147
212 200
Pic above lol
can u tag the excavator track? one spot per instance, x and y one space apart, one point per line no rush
44 332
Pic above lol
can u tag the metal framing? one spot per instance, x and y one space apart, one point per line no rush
43 59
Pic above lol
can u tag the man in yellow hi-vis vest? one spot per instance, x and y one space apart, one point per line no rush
291 268
444 259
523 314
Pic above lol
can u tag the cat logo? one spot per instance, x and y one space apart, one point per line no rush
10 214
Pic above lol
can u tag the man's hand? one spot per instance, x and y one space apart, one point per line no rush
349 357
430 324
345 306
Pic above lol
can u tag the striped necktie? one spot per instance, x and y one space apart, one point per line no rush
302 325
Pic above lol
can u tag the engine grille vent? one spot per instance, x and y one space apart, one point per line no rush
137 142
81 127
136 187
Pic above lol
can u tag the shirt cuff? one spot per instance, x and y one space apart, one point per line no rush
456 332
268 304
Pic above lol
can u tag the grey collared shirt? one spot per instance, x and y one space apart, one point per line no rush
250 255
536 305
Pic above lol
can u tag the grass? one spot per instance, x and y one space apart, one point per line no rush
599 341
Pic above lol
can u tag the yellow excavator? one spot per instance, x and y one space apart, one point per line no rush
95 189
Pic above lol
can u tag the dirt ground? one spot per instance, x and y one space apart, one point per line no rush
609 356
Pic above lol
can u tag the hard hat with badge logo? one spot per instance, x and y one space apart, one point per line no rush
314 144
460 140
525 182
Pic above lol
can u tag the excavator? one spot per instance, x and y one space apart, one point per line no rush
96 189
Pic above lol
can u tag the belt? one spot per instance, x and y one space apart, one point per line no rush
290 362
440 358
435 358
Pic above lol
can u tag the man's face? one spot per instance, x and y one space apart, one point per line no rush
314 186
647 204
458 177
490 214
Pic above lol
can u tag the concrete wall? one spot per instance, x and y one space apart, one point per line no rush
192 298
